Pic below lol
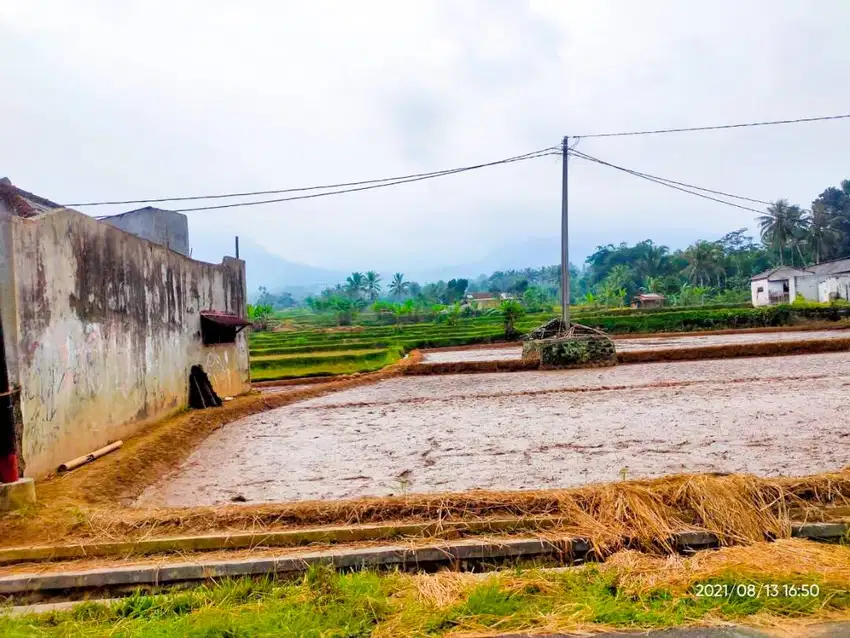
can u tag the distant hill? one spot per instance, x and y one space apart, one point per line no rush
265 268
528 253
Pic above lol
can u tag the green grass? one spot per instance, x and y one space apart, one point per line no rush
323 364
324 603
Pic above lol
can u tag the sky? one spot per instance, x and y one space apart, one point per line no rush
122 100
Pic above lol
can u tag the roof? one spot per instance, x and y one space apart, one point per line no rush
650 296
225 318
147 209
482 295
780 273
834 267
23 203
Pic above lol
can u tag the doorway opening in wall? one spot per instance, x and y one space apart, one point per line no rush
219 327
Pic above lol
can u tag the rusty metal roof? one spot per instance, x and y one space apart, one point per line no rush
225 318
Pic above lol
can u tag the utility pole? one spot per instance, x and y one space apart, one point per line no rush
565 238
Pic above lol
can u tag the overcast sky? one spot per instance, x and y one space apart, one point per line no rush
106 99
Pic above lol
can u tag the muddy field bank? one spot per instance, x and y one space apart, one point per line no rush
642 343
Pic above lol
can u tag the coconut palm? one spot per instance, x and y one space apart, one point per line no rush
821 238
653 260
354 284
705 260
398 286
782 227
372 284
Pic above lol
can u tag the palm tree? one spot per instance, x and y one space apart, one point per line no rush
782 227
354 284
821 238
399 286
372 285
705 260
651 263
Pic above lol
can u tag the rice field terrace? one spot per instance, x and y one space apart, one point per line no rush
298 348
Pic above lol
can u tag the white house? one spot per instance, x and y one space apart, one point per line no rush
822 282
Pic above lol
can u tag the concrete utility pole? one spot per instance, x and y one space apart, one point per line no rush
565 238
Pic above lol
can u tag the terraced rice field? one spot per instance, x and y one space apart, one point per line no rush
324 352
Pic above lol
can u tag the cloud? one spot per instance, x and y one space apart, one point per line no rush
116 100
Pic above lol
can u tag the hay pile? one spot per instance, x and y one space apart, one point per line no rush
785 559
738 509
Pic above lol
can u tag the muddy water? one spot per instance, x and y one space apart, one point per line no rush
647 343
770 416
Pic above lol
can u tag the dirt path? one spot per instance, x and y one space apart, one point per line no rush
771 416
644 343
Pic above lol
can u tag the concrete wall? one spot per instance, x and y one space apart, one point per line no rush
805 286
163 227
829 286
759 298
105 327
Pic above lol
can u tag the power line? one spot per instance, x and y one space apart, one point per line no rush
673 181
370 187
680 186
401 178
720 127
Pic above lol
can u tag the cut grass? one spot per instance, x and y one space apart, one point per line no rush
632 591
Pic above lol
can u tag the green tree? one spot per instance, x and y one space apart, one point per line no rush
372 285
534 299
398 286
822 238
652 284
455 290
782 228
354 284
835 203
705 261
653 260
511 310
260 315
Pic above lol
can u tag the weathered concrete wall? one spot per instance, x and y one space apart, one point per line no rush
164 227
830 286
108 328
759 292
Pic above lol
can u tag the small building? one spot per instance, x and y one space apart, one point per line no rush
776 286
648 300
487 299
163 227
824 282
101 327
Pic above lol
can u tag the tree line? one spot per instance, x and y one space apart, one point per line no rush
707 271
